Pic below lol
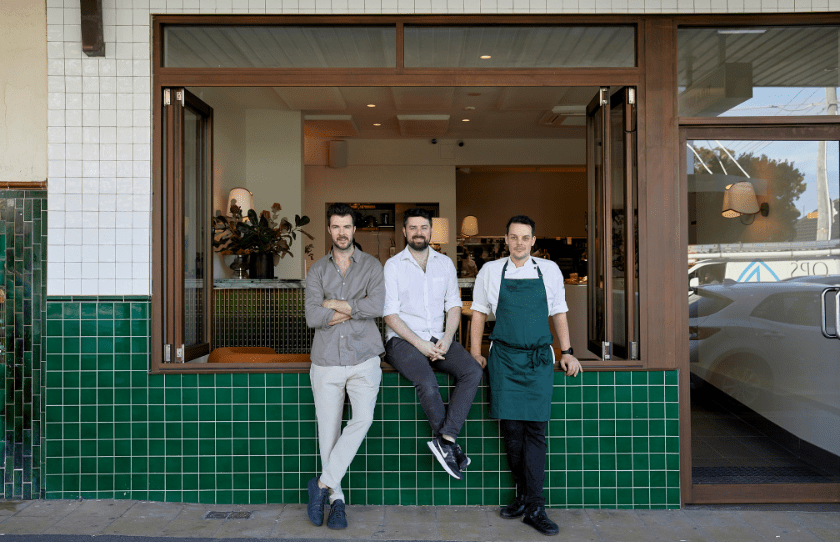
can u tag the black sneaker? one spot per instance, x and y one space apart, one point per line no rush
516 509
536 518
337 518
317 499
445 454
460 456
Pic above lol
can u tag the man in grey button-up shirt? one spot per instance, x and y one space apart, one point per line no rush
345 292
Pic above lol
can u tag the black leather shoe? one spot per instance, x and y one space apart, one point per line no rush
513 510
317 498
537 519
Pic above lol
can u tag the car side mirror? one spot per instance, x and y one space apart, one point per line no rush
694 282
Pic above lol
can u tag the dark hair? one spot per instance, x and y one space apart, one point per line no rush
340 209
417 211
521 219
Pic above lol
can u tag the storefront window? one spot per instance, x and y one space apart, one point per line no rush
758 71
243 46
520 46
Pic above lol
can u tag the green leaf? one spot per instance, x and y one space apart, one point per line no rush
304 220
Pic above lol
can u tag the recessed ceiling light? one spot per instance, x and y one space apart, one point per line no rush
469 108
371 105
486 57
377 124
465 120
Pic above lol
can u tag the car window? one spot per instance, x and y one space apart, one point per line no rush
704 303
795 308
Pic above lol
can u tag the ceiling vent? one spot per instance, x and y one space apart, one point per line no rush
423 125
563 114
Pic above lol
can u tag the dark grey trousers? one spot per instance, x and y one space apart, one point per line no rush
420 371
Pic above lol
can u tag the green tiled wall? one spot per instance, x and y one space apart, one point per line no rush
114 431
24 244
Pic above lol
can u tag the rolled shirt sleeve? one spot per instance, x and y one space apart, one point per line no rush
481 302
392 288
371 305
317 317
453 293
559 302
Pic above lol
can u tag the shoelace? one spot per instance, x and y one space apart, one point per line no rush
339 512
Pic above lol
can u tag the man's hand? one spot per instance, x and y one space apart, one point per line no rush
338 306
570 365
481 360
338 318
443 345
430 350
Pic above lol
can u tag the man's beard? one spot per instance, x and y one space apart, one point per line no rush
419 244
339 247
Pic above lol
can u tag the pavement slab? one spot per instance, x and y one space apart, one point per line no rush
724 526
149 509
55 509
618 525
246 528
27 525
777 525
80 524
137 526
670 526
10 508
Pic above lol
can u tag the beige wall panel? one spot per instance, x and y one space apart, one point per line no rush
23 91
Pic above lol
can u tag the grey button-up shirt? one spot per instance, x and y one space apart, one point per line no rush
358 339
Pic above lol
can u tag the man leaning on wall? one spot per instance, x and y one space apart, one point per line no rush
345 292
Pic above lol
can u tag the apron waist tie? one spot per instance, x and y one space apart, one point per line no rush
534 354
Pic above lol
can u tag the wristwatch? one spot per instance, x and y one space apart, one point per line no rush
569 351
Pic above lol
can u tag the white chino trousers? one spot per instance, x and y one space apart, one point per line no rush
338 448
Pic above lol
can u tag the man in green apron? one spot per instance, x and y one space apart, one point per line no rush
524 293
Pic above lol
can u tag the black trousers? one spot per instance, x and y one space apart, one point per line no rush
526 448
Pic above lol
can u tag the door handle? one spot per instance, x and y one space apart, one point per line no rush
836 313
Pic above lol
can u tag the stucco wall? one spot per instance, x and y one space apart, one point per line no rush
23 91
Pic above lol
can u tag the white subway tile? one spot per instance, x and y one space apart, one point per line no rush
123 203
108 218
55 286
139 287
124 135
90 134
73 236
73 185
90 286
90 154
123 270
140 271
124 152
106 286
55 151
73 50
90 168
142 169
107 253
72 286
125 185
140 253
108 118
55 100
74 149
72 219
124 168
73 117
55 83
56 134
90 117
107 85
90 84
107 236
73 168
123 252
140 203
55 32
73 101
73 270
73 33
55 201
108 168
73 83
140 219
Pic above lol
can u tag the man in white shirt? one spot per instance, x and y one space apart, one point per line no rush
524 293
423 311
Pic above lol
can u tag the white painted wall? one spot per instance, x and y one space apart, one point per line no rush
377 184
23 93
274 172
100 114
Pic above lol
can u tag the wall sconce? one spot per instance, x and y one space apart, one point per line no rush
739 200
440 232
244 199
469 226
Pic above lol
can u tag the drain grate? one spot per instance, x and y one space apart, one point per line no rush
228 515
755 475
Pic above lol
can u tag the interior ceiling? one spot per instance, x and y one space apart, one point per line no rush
420 112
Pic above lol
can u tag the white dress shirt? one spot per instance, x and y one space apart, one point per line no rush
421 299
489 280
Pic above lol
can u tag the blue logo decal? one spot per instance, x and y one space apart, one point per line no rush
753 272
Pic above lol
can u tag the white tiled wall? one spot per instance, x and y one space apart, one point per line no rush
99 118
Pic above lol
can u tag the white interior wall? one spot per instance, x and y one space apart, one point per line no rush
274 172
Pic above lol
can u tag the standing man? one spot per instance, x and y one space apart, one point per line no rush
421 288
344 293
524 293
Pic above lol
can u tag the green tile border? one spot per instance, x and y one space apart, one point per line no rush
115 431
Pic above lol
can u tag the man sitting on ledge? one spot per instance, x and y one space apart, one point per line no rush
421 288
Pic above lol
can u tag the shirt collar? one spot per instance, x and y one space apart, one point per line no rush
530 260
406 254
352 256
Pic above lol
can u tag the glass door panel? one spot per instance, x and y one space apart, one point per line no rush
611 160
764 256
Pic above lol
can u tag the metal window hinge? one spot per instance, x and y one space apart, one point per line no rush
167 97
179 95
631 96
604 96
606 350
180 353
634 350
167 352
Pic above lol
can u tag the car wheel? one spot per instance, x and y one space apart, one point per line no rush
743 378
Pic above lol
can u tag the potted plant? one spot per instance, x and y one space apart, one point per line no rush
261 238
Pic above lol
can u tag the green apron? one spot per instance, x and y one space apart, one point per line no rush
521 363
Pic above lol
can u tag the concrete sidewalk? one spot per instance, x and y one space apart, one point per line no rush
123 518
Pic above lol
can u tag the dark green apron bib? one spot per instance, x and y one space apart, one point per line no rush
521 363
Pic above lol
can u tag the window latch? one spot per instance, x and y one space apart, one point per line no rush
606 350
167 352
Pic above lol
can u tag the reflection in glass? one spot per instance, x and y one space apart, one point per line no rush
758 71
502 46
246 46
195 230
765 381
